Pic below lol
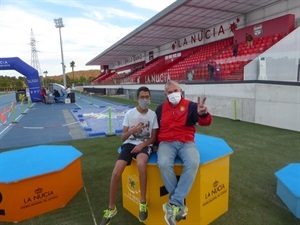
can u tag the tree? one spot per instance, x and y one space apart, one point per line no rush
12 83
72 65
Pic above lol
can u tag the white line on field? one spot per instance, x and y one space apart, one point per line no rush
88 199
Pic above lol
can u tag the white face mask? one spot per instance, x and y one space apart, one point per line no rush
174 98
144 104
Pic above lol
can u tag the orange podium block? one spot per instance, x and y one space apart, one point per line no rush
208 198
37 180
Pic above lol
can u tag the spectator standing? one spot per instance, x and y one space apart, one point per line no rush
68 91
139 133
177 118
211 71
43 95
235 48
249 40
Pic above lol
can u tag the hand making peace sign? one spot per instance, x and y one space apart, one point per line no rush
201 109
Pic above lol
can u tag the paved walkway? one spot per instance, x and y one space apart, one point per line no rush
43 123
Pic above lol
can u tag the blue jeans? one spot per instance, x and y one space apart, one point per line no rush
188 153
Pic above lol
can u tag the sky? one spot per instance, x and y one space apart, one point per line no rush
90 27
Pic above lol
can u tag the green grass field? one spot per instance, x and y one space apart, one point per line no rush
259 151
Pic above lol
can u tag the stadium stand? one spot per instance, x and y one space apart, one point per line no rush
193 62
190 53
181 49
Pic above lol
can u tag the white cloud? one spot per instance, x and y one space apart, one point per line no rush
155 5
87 32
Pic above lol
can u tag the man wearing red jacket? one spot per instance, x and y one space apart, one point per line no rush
177 118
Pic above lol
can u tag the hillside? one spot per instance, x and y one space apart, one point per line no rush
77 74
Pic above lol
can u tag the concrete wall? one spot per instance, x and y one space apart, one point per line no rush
267 104
276 105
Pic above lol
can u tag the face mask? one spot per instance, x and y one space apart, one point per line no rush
174 98
144 104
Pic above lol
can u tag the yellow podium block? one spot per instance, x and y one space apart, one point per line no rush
37 180
208 198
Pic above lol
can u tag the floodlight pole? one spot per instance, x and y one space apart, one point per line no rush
59 24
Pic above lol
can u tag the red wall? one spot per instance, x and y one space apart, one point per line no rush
284 24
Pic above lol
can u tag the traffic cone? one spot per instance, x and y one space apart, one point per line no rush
3 118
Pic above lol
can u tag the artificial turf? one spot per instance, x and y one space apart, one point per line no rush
258 152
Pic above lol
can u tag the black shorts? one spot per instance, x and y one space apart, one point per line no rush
126 154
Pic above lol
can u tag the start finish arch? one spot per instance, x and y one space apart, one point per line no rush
29 72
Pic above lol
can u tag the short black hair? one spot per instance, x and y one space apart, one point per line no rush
143 88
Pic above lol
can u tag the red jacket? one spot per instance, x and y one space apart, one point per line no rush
43 92
179 123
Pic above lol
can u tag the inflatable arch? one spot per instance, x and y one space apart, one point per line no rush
31 74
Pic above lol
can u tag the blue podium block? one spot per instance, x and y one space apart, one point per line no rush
288 187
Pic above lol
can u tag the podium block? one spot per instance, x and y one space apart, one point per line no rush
37 180
288 187
208 198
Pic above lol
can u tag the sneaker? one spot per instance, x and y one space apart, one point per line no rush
143 214
169 215
108 214
180 214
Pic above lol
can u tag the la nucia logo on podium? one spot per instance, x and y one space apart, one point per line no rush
38 191
133 189
217 190
39 196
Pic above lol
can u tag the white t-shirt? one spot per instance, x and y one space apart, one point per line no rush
133 117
